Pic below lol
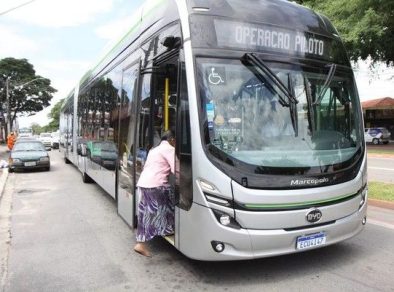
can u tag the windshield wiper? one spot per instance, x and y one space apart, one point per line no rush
293 107
326 84
251 59
255 61
311 111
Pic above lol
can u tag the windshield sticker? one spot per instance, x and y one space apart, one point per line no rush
216 75
264 37
210 108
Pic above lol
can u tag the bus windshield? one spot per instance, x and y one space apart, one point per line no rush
247 119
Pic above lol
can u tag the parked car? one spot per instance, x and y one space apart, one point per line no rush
55 140
28 154
377 135
46 139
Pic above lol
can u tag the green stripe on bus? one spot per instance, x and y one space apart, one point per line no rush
274 206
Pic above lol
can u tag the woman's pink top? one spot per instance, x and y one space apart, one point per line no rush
158 165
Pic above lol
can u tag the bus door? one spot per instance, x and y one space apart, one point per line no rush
157 110
127 152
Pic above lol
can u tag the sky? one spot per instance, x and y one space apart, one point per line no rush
63 38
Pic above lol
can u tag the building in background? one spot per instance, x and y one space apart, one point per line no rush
379 113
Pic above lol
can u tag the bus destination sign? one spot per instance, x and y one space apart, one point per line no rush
268 38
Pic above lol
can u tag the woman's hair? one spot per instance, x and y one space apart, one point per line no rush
167 135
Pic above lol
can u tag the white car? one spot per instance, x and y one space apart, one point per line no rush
46 139
377 135
55 140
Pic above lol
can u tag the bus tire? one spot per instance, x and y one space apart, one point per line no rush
85 178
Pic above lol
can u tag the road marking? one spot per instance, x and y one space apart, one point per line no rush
381 168
380 223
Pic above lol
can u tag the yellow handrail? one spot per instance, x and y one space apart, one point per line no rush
166 93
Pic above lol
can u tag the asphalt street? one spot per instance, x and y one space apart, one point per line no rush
381 169
64 235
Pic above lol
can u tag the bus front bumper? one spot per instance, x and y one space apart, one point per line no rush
203 228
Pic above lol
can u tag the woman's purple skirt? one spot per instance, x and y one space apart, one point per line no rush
155 213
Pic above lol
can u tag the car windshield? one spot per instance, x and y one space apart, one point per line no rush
45 135
28 146
246 118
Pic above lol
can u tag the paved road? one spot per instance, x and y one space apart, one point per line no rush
381 169
66 236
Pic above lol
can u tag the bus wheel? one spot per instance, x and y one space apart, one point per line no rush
375 141
85 178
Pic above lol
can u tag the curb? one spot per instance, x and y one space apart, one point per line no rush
381 204
3 179
376 155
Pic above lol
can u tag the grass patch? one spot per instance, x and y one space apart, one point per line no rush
381 191
380 151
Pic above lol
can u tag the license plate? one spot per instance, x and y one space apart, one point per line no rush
312 240
30 163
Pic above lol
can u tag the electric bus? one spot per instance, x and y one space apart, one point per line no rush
270 152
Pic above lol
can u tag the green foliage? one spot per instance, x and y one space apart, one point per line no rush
54 115
26 96
37 129
366 26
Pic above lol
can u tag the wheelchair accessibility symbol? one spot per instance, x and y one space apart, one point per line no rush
214 77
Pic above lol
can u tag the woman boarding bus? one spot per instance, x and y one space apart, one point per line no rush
270 157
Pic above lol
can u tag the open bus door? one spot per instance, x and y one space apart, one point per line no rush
126 197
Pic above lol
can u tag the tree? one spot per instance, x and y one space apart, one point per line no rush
366 26
36 128
54 115
28 93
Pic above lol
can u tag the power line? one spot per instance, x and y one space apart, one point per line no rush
16 7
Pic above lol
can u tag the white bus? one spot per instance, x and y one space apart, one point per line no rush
25 133
270 151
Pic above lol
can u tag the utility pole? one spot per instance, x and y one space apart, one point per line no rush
7 95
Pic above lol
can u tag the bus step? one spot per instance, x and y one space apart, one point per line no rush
170 239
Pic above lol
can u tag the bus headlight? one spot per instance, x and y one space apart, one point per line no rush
225 219
217 246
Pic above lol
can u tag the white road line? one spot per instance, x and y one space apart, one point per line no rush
381 168
380 223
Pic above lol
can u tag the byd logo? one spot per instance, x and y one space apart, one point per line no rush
314 216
